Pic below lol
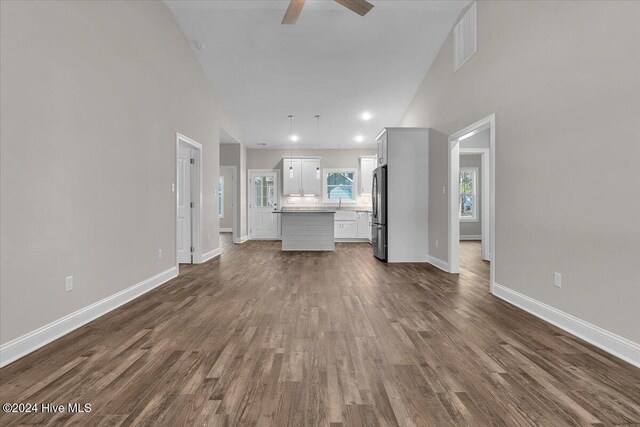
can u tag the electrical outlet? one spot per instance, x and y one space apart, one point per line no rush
437 243
208 237
173 187
557 280
68 284
444 190
159 253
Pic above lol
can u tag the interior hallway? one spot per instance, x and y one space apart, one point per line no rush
279 338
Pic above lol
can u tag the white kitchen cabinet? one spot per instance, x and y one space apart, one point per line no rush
305 178
291 180
382 149
364 225
345 229
310 177
367 165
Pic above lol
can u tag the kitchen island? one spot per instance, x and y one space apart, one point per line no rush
307 229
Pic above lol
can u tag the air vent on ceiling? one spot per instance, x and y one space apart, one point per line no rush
465 41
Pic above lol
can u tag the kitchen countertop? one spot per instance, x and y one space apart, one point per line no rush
326 209
321 211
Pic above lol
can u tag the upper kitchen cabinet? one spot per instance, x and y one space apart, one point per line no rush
291 176
301 176
367 165
382 148
311 177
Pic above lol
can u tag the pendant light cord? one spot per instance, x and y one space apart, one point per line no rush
291 139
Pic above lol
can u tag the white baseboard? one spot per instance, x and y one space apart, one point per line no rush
471 237
226 230
618 346
437 262
351 240
33 340
240 239
209 255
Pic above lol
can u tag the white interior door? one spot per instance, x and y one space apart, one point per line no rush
184 234
264 201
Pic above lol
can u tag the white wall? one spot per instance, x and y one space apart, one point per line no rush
227 203
438 200
236 155
563 79
93 94
329 158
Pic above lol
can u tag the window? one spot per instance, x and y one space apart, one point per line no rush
465 39
340 184
264 191
221 196
468 201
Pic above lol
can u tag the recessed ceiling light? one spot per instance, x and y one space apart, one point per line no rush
294 138
359 138
366 115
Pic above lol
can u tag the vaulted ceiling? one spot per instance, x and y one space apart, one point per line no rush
333 62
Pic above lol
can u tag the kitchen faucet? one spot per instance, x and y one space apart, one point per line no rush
340 204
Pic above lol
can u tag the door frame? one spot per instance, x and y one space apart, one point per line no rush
196 193
484 195
488 122
234 199
250 197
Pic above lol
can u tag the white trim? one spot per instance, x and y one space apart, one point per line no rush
488 122
220 195
618 346
37 338
226 230
196 220
210 255
234 200
471 237
437 262
351 240
240 239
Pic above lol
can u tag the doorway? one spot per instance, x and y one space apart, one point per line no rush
188 200
263 201
479 184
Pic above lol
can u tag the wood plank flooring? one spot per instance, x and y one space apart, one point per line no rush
268 338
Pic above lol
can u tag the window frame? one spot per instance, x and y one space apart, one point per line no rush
354 186
474 194
220 197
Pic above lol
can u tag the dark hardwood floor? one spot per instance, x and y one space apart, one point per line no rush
263 337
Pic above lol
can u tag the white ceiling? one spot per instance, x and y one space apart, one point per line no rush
333 62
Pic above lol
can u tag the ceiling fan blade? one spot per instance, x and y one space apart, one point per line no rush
361 7
293 11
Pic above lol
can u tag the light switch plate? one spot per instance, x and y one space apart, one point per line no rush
557 280
68 284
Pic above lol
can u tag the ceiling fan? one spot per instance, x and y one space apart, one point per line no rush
361 7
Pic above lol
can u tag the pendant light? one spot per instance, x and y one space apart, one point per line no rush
318 167
291 138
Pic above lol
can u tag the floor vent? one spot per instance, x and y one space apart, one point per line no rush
465 41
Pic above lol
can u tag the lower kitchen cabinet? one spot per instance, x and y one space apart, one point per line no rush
364 225
358 228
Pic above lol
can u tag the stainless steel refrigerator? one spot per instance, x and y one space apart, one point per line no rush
379 215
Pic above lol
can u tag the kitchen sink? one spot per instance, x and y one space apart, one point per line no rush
345 215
